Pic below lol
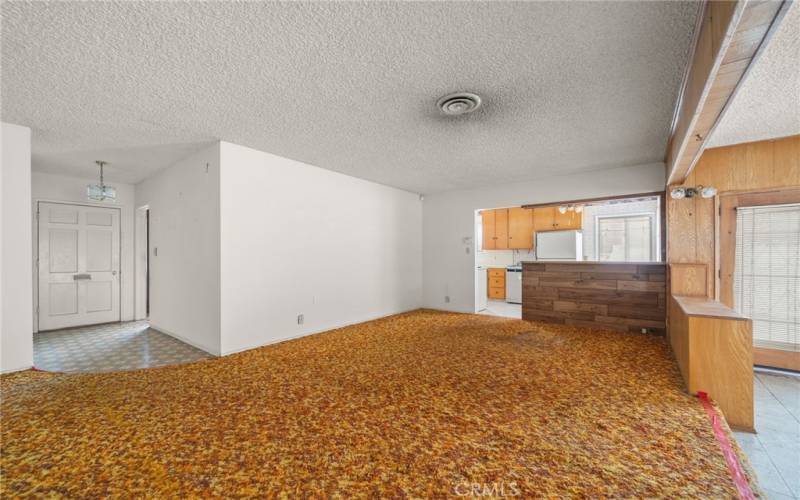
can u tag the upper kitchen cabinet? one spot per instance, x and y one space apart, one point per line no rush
513 228
544 218
501 228
495 229
551 219
488 222
568 220
520 228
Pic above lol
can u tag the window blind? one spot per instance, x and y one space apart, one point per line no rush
767 273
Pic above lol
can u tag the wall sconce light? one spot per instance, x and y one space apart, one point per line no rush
678 193
562 209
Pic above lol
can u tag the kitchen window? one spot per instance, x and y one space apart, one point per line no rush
626 238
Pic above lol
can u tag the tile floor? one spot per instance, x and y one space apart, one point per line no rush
503 308
110 347
774 451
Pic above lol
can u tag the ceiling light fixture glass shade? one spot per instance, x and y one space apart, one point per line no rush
707 192
101 192
678 193
690 192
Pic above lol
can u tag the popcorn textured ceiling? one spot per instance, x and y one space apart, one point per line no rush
351 87
767 105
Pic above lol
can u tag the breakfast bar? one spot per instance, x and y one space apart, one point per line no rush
628 297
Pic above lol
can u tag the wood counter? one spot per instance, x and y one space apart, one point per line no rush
617 296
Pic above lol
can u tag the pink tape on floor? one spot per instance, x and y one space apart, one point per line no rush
734 467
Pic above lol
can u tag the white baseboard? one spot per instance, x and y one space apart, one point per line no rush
209 350
12 370
318 331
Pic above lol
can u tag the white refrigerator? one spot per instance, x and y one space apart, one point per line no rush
559 245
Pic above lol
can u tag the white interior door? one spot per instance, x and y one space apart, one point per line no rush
78 265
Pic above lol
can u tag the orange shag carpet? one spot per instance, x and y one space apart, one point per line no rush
416 405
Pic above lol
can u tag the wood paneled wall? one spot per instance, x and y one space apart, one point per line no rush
616 296
692 223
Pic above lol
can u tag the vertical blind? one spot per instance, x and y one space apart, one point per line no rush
767 273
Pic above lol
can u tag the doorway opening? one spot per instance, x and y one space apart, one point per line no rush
760 271
767 280
617 229
147 263
142 267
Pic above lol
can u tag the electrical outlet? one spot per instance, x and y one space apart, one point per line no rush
300 319
447 299
644 330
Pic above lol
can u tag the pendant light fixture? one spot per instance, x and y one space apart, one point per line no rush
101 192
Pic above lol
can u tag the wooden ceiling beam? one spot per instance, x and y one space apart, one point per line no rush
731 35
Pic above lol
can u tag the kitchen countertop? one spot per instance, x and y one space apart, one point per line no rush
593 262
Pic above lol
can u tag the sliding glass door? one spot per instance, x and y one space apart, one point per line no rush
767 275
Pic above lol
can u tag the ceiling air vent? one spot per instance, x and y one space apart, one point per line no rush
460 103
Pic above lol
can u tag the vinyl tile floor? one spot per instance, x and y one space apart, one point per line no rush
110 347
774 450
503 308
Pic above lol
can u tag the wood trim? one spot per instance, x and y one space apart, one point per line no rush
776 358
590 201
732 36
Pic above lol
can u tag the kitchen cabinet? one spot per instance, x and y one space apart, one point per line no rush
501 228
513 228
495 229
520 228
488 222
568 220
551 219
544 218
496 285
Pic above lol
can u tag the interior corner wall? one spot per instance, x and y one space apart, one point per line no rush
51 187
184 248
16 253
449 223
297 239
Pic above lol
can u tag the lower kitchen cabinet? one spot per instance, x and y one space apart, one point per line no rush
497 283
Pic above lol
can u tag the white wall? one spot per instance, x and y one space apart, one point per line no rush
16 261
184 228
449 220
297 239
50 187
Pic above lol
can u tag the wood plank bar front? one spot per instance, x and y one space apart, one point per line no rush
628 297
